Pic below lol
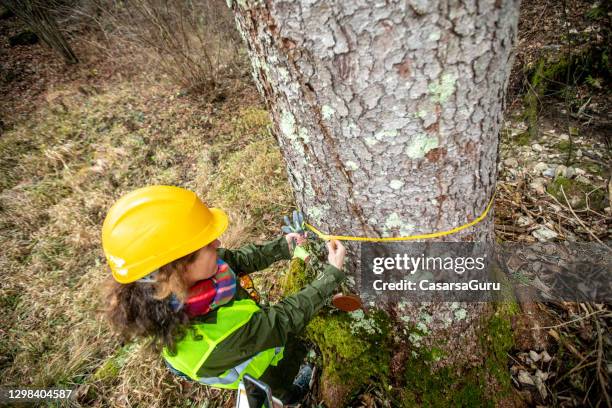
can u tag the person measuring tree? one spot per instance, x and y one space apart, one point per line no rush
174 283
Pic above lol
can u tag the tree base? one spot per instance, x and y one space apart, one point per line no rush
360 350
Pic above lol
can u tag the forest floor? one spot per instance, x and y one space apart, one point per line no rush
75 138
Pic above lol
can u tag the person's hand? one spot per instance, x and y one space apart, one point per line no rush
337 251
295 238
294 229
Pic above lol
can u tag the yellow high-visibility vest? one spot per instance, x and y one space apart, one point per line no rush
197 345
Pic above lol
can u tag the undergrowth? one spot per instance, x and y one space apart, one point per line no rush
60 172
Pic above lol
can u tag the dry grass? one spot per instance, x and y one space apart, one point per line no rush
61 170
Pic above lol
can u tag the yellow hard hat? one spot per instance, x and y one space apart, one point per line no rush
155 225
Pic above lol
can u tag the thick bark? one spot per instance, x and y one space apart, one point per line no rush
387 114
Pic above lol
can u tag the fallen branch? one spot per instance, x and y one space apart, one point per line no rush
602 380
572 321
576 216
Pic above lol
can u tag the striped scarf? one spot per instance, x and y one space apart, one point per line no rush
209 294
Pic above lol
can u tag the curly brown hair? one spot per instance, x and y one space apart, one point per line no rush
143 309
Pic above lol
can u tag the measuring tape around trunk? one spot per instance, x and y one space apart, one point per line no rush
327 237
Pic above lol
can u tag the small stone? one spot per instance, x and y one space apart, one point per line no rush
534 356
578 153
540 167
579 171
545 356
549 172
537 147
564 136
583 179
540 377
560 171
569 172
544 234
538 185
524 221
511 162
525 378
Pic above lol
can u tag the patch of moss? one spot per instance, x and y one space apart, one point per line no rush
498 339
579 190
531 100
354 346
351 358
444 388
461 386
523 139
563 146
545 72
594 168
550 74
297 277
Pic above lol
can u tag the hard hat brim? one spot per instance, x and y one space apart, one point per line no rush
219 224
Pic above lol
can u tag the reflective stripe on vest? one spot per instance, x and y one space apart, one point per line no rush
254 366
202 338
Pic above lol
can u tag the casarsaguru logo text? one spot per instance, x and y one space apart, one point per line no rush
426 285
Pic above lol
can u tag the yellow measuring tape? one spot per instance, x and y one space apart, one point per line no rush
328 237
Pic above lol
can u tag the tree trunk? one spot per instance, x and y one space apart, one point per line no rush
36 15
387 114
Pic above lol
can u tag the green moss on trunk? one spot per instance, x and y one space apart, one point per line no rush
354 346
357 349
351 355
463 386
297 277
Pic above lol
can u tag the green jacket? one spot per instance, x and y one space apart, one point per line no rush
270 326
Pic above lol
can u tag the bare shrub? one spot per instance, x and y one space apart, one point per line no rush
40 17
194 42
